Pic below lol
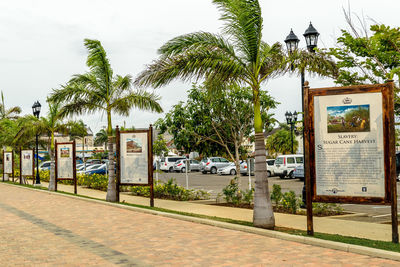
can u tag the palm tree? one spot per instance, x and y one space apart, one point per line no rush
11 113
100 90
78 130
48 125
238 56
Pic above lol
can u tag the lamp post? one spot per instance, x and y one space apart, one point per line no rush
36 111
311 36
291 119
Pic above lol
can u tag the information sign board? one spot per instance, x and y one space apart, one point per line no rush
27 162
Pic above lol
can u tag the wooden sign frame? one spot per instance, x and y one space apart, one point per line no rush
20 165
389 159
149 161
73 165
12 163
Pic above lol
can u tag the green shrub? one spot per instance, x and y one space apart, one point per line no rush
326 209
232 193
289 202
276 193
170 190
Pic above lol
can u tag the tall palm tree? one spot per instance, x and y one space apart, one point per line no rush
100 90
10 113
237 56
48 126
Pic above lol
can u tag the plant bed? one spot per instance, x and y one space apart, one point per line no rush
329 211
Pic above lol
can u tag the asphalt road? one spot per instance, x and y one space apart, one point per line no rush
215 183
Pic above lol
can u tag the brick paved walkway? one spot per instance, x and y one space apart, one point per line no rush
37 228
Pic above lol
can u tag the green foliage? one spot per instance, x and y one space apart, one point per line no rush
160 146
276 194
212 121
281 142
326 209
170 190
365 57
233 195
289 202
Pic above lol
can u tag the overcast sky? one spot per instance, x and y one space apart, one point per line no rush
42 42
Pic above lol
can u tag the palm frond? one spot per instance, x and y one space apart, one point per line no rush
121 84
243 23
191 65
141 99
318 63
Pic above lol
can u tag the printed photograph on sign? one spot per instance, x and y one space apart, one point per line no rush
349 118
27 156
133 145
64 152
8 158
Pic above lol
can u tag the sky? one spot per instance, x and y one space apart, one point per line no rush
42 43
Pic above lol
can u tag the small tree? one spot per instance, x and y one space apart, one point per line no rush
160 146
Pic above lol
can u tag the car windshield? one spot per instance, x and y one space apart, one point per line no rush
204 160
279 161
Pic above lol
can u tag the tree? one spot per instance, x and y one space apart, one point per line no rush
48 125
160 146
215 120
10 113
368 56
280 142
100 90
238 56
101 138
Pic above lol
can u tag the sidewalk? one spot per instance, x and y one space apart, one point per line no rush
327 225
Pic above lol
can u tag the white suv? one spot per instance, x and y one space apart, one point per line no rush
167 163
285 165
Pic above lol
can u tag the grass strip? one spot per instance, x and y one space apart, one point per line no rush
384 245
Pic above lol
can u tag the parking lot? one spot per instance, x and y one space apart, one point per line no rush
215 183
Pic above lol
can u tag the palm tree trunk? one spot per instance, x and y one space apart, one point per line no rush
52 182
263 215
111 189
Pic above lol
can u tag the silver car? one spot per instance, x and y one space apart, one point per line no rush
180 165
213 164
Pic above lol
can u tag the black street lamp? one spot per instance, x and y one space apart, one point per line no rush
311 36
291 119
36 111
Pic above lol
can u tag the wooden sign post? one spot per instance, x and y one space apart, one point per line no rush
66 163
350 147
135 159
26 164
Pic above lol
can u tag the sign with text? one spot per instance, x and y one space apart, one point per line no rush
65 160
8 162
350 159
134 157
27 162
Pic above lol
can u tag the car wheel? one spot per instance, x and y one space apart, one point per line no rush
171 169
233 172
282 176
213 170
183 169
268 174
291 175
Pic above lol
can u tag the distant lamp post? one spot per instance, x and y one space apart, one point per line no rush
36 111
311 36
291 119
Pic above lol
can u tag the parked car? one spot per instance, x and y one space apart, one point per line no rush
93 161
180 165
102 169
285 165
44 166
213 164
299 172
90 167
167 163
270 168
231 168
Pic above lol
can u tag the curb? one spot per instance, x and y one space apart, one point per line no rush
373 252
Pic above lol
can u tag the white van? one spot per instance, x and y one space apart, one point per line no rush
285 165
167 163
